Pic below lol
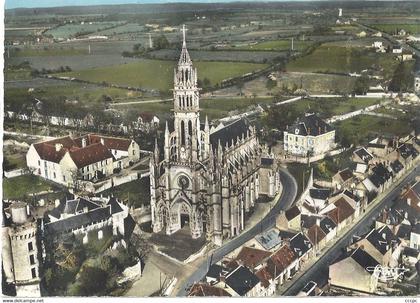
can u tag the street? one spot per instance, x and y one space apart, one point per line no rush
285 201
319 271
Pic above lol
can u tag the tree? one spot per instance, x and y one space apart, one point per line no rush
270 84
160 42
141 245
240 85
361 86
92 281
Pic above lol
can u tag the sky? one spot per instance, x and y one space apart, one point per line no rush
52 3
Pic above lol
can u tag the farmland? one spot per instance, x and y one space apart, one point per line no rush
158 74
338 59
394 28
73 30
276 45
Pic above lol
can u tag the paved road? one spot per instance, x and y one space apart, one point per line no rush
285 201
319 271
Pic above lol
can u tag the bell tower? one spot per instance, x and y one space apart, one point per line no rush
186 107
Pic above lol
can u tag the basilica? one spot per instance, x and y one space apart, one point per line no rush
207 178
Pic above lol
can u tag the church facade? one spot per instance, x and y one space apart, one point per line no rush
206 178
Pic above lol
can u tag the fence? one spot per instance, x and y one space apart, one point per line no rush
16 173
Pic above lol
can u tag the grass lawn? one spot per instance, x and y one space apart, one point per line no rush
343 60
394 28
17 74
360 129
19 187
137 192
276 45
158 74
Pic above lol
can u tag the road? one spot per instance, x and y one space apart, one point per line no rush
286 199
319 271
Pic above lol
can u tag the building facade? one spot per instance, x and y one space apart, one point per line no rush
206 179
309 136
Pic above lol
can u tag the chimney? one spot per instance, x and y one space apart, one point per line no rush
319 130
384 235
102 141
58 147
409 201
83 142
57 202
318 221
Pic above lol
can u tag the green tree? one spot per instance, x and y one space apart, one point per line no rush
361 86
270 84
160 42
92 281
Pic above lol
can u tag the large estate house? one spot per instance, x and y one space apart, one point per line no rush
90 157
206 179
309 135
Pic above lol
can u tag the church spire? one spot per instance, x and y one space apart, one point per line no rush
184 59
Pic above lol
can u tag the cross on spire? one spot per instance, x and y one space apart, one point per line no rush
183 34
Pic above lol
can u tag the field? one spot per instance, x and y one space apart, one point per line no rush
394 28
158 74
20 187
343 60
73 30
49 52
84 94
122 29
360 129
276 45
220 55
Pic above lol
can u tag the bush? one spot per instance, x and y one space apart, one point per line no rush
92 281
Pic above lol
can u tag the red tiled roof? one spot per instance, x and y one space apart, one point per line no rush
265 276
342 211
111 142
346 174
280 260
90 154
315 234
146 116
252 257
205 290
47 149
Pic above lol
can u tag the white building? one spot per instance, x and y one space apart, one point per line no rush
310 135
91 157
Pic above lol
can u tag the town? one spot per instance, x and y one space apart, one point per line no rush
212 149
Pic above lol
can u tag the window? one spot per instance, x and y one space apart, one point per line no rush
32 259
33 271
134 152
30 246
39 162
55 176
64 178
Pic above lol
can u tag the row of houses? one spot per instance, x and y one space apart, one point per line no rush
376 260
259 268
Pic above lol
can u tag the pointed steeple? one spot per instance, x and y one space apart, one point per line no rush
167 142
185 57
156 151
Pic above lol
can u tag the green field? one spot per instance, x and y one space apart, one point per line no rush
332 106
277 45
343 60
394 28
35 52
158 74
360 129
78 29
20 187
84 94
17 74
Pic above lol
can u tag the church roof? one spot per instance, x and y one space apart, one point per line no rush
230 132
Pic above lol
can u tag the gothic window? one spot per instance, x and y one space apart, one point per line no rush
179 99
190 128
182 133
183 101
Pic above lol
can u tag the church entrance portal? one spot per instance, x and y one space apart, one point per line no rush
184 214
185 220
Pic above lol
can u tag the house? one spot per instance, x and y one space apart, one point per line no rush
361 34
379 180
201 289
410 256
396 49
146 122
417 82
241 282
252 258
215 272
270 239
341 213
316 199
92 157
309 135
397 168
377 149
290 219
408 153
355 272
361 155
268 284
406 56
317 237
415 237
377 44
301 247
283 264
83 216
379 243
329 228
343 179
